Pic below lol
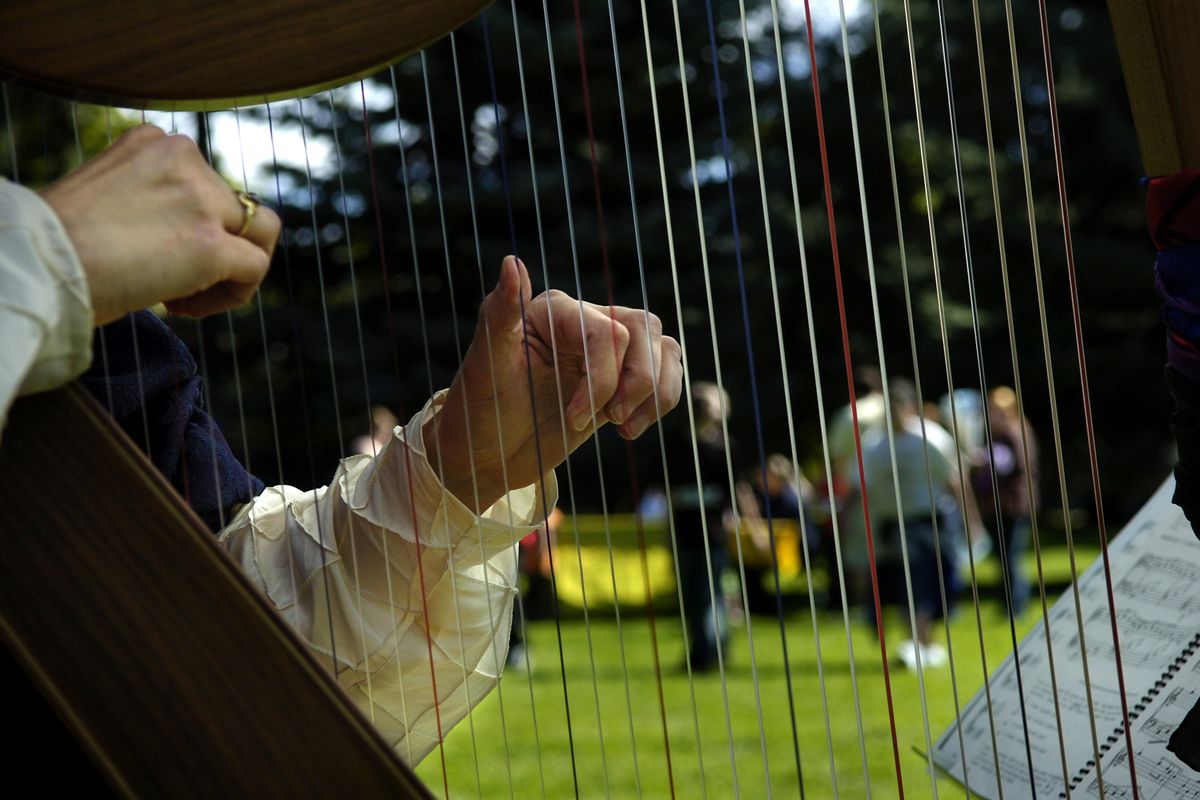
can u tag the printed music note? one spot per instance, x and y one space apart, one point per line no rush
1156 578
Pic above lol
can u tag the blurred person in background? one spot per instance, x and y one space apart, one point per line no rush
926 466
785 499
699 503
1005 477
843 448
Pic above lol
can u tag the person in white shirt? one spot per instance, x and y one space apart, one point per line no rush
404 564
906 493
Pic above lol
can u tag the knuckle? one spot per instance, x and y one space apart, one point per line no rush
620 333
672 394
181 151
639 384
655 324
271 222
143 133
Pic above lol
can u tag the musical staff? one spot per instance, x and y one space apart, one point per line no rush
1156 567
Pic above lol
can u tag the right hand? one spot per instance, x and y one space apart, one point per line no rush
152 222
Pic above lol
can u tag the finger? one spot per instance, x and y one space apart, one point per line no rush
667 391
222 297
260 222
603 343
264 229
501 310
240 266
639 371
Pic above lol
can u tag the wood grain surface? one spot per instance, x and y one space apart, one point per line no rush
176 675
1157 41
210 54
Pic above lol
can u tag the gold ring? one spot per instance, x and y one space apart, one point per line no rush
250 203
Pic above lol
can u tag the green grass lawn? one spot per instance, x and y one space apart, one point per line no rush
516 742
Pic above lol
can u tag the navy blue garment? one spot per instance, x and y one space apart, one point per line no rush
185 444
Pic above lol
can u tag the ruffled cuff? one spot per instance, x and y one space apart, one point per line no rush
437 517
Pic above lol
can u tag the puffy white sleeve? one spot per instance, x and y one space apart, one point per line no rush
45 306
404 593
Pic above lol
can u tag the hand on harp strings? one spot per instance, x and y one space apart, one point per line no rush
400 573
541 376
152 223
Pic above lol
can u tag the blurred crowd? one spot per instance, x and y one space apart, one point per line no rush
908 497
914 494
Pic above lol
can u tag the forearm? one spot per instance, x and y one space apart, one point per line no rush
393 583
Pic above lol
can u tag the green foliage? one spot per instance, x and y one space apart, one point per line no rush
346 289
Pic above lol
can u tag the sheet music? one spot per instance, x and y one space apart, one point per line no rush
1160 775
1156 575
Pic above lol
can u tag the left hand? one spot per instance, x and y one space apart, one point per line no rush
487 437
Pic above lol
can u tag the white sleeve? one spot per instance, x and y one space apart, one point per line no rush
393 583
45 307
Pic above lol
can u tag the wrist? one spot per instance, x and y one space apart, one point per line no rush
472 487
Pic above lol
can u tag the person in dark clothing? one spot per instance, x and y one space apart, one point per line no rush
698 504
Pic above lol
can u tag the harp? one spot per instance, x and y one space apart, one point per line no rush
706 179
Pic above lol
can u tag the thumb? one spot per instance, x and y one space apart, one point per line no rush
512 293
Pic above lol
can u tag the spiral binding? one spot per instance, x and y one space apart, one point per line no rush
1118 732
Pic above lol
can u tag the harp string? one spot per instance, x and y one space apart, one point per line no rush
887 401
1005 567
554 347
944 337
237 376
429 365
371 432
419 292
268 379
429 370
79 159
1016 372
321 533
741 562
849 369
666 204
537 207
508 204
631 467
491 365
824 428
701 240
403 415
453 305
758 427
603 243
262 330
1089 424
575 263
137 357
912 341
1035 250
198 326
294 316
636 495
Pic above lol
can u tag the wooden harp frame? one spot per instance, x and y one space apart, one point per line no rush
1156 40
100 597
154 649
